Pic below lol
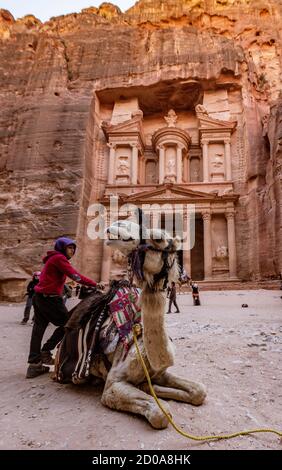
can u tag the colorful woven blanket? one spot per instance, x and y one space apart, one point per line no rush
126 312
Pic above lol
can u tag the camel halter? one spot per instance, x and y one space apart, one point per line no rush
136 261
137 257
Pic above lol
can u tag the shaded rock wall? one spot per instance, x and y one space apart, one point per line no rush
49 125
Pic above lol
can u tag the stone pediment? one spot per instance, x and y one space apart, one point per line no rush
207 123
133 125
130 131
172 193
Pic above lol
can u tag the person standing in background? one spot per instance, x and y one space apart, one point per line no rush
172 298
30 292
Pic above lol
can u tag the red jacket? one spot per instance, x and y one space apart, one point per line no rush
53 276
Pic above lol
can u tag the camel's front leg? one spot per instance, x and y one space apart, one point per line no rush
126 397
177 388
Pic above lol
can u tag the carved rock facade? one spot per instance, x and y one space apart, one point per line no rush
171 101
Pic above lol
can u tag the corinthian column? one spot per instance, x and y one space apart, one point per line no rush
179 165
207 245
142 170
231 244
134 164
187 246
205 161
111 167
161 163
228 174
185 169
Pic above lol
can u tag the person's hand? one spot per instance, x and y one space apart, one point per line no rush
100 286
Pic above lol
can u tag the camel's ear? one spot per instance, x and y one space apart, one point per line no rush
176 243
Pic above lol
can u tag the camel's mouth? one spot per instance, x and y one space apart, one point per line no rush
122 232
116 235
112 238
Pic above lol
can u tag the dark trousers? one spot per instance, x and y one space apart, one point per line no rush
27 309
173 301
46 310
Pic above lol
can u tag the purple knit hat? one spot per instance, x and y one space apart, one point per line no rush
62 242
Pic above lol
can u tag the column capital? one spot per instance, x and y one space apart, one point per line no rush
160 146
111 145
230 215
204 140
206 215
136 146
227 140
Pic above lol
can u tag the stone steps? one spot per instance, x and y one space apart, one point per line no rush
226 284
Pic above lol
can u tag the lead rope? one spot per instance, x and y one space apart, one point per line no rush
136 332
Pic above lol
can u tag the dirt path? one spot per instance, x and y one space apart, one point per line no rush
234 351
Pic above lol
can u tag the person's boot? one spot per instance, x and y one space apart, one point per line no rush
23 322
47 358
34 370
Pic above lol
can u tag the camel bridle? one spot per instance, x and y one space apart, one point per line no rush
136 263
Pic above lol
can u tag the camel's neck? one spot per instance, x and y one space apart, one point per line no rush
159 348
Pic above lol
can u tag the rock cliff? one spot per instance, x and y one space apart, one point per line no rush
48 73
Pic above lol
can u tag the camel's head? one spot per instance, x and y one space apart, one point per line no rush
161 256
153 249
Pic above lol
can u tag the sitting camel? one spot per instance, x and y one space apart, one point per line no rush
154 262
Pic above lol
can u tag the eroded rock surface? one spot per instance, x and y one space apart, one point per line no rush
48 124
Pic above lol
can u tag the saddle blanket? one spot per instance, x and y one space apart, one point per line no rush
126 313
79 346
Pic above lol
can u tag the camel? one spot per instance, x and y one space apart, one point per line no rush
182 283
125 383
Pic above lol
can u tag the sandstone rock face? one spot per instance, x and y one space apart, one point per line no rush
54 77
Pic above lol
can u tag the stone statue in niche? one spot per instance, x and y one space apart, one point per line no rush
218 160
123 166
171 118
151 178
170 176
221 252
170 167
196 175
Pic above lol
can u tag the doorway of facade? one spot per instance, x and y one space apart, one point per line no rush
197 252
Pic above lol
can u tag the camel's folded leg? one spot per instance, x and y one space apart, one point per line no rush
168 392
126 397
179 389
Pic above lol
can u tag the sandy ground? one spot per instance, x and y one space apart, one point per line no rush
234 351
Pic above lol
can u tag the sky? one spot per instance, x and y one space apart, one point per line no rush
45 9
